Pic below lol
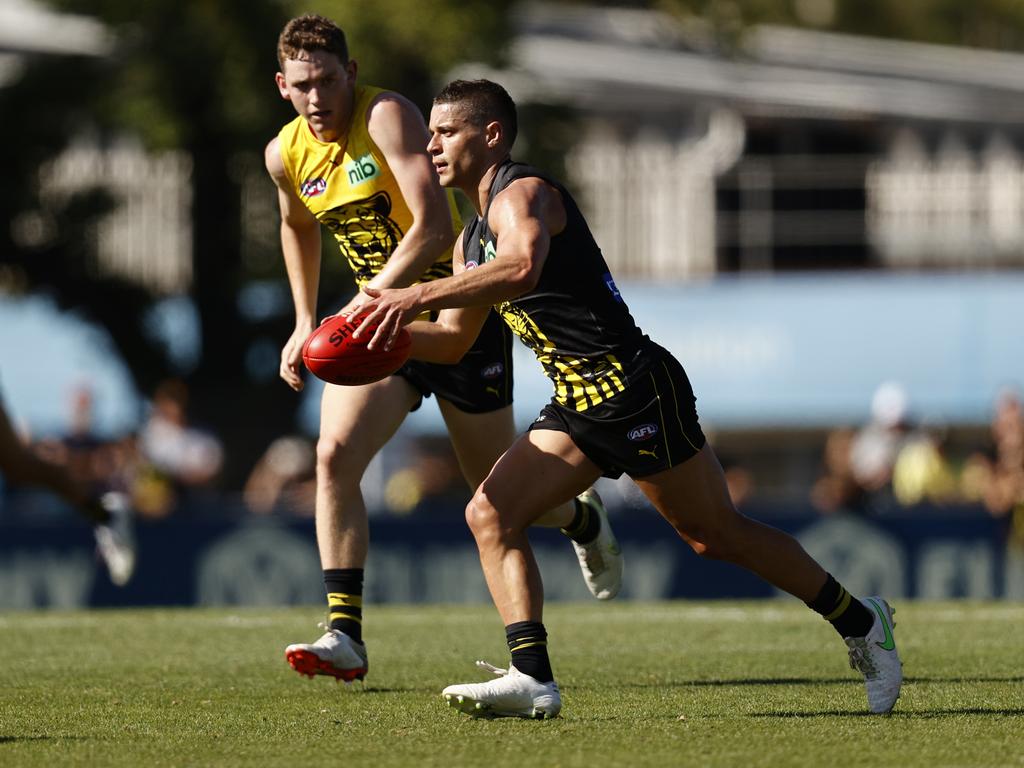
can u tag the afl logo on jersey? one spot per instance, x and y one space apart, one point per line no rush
313 187
492 371
643 432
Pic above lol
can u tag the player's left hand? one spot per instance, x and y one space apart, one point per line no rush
389 309
355 305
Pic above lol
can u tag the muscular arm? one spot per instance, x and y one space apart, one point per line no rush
448 338
523 217
398 130
300 245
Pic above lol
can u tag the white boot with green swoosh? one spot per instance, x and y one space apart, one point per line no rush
875 656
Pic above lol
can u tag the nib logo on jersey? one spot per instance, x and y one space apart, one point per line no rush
361 169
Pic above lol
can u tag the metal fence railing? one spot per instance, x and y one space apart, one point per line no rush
661 209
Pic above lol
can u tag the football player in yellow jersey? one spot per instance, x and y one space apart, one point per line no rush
622 404
354 160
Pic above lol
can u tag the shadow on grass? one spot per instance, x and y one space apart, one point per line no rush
752 681
728 683
977 679
16 739
923 714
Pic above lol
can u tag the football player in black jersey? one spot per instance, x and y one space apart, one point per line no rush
621 404
109 514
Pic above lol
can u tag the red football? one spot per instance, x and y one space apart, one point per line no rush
331 353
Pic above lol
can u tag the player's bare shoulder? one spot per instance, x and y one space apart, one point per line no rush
394 121
293 211
273 162
529 197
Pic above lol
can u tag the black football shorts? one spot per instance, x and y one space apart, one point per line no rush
480 383
649 427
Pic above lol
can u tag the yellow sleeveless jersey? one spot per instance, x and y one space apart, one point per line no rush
351 190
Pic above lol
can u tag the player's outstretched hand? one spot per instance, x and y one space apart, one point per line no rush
291 357
389 309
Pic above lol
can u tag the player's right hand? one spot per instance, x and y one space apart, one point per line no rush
291 357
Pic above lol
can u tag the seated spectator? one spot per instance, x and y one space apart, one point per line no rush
180 457
922 472
738 479
995 476
837 489
284 479
876 445
430 481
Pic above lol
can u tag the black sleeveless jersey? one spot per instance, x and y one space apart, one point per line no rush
574 319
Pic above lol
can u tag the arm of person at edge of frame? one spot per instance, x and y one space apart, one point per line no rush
448 338
398 130
300 246
524 217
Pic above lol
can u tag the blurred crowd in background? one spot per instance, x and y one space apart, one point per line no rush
893 462
171 466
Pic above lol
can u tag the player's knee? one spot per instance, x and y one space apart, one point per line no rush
334 461
722 540
482 517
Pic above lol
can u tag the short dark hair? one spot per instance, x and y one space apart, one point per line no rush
311 33
484 101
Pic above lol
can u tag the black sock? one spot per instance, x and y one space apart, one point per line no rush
345 600
585 524
528 643
842 610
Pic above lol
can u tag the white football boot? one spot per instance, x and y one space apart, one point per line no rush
875 656
600 559
512 694
335 654
115 539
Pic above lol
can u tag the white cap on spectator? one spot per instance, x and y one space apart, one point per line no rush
889 404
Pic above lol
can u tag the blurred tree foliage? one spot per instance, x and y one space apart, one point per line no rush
409 45
47 244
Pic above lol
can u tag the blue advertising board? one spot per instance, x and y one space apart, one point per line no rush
268 561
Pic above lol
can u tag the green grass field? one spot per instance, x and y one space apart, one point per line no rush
728 684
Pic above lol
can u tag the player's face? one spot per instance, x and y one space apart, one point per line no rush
457 146
320 88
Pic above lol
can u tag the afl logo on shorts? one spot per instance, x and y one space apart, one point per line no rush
643 432
493 371
471 264
313 187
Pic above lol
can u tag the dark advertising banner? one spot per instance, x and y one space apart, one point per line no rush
268 561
